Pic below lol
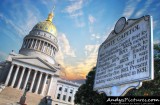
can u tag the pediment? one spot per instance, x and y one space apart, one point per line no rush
35 61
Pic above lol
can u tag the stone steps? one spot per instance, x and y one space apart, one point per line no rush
11 95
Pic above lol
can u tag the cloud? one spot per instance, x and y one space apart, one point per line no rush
95 37
81 69
157 41
155 23
91 49
12 24
22 22
65 45
80 13
143 10
84 67
91 19
65 49
3 55
79 23
130 8
74 9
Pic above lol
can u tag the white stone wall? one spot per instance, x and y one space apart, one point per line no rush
64 94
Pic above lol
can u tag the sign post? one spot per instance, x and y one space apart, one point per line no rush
125 58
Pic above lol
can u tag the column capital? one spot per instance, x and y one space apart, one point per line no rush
12 63
17 65
35 71
41 72
50 75
29 68
24 67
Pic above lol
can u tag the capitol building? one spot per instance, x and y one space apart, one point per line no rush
35 64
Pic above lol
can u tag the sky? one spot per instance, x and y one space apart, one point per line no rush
82 26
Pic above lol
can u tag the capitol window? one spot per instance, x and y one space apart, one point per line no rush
65 89
71 91
64 97
69 99
60 88
58 96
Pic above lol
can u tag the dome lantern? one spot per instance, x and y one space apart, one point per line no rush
50 17
47 25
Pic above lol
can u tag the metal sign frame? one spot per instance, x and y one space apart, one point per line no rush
130 23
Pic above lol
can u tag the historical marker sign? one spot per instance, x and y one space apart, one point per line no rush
126 56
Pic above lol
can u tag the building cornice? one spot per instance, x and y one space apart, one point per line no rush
69 82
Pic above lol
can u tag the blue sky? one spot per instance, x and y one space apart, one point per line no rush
82 26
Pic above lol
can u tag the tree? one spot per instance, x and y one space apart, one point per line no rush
85 94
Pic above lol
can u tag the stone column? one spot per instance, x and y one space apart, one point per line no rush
15 76
43 46
72 98
51 50
68 93
47 49
57 91
43 87
24 43
29 41
39 45
32 41
34 77
9 75
54 50
35 45
28 74
50 84
39 80
20 79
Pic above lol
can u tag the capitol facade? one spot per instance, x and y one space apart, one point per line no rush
35 64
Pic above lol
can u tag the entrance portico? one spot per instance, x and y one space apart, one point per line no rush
19 75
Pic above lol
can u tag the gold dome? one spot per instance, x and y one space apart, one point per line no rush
47 25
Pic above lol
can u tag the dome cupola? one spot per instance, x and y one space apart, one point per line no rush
41 41
47 25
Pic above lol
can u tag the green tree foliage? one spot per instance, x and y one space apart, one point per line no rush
156 47
157 51
85 94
